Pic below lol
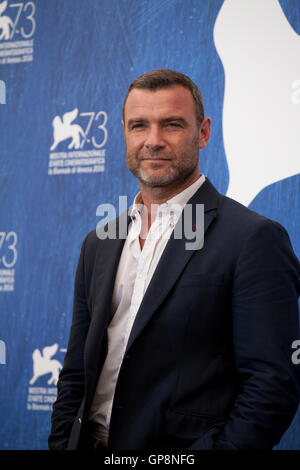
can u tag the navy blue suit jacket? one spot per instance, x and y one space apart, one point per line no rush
208 362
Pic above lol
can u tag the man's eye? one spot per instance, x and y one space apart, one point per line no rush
138 125
173 124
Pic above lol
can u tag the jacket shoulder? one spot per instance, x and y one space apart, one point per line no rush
244 219
91 241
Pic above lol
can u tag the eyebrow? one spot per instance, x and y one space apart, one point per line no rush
161 121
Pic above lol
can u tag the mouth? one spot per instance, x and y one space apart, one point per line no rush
155 159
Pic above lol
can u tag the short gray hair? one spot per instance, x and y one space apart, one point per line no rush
165 78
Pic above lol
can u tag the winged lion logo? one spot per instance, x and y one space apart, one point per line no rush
5 22
64 129
43 364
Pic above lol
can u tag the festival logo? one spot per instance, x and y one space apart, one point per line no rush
17 27
8 259
46 370
78 147
6 23
44 364
64 129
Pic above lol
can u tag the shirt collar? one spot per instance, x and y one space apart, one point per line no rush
176 203
136 209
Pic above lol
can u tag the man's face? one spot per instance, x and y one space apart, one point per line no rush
162 136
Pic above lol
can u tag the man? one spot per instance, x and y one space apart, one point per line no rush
173 346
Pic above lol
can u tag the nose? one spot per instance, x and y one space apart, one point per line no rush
154 139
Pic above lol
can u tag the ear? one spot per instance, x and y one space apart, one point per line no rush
123 124
204 132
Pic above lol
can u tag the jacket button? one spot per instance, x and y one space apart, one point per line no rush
118 407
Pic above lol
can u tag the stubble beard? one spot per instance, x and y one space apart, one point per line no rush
177 172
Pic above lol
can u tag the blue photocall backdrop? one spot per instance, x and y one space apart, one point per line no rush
66 66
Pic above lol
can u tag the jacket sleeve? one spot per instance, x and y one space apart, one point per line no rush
265 322
70 386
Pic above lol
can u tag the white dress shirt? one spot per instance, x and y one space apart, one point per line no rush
135 270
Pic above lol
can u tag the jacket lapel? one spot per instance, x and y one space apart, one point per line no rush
174 259
106 265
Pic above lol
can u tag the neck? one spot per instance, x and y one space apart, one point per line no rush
154 196
159 194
